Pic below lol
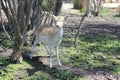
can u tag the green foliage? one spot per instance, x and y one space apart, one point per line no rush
100 43
96 53
64 75
105 11
78 4
75 2
4 74
6 44
4 41
47 5
4 61
39 75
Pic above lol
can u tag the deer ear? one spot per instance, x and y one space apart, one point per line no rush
52 16
65 17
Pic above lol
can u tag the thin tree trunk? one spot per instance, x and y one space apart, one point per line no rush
98 3
93 7
89 8
58 6
79 29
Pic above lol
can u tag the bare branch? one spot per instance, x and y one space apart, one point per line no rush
3 25
15 6
79 29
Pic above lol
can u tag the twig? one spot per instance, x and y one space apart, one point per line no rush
3 25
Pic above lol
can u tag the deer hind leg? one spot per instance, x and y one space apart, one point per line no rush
33 47
49 49
57 54
46 47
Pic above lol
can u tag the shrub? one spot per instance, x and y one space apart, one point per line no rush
79 4
47 5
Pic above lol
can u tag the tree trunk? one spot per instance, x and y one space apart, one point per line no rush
89 8
20 15
16 56
93 7
97 7
58 6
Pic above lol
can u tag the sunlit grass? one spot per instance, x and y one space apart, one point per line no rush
93 52
96 51
105 11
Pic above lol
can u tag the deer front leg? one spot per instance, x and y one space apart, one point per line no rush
33 47
57 54
49 49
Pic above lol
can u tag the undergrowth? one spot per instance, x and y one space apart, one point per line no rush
94 52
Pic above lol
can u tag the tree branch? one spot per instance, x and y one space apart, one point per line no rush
4 26
79 29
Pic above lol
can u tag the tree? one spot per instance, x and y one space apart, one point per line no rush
21 15
97 4
58 6
90 12
93 7
79 29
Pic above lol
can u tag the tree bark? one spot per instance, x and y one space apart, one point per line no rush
16 56
93 7
79 29
89 8
97 7
21 14
58 6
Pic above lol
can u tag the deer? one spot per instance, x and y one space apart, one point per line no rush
51 36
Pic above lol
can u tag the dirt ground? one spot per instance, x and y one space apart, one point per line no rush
107 25
103 25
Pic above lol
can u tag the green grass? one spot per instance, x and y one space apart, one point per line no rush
103 11
4 41
94 52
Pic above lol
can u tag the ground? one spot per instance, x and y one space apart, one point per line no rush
103 24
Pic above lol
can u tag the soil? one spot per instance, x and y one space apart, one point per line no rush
107 25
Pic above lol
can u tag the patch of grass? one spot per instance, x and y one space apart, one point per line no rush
40 75
64 75
18 66
4 61
97 52
4 41
105 11
100 43
47 5
6 44
31 72
14 71
4 75
94 52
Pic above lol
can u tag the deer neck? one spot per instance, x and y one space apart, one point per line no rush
60 32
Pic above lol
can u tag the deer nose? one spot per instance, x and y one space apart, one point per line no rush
57 25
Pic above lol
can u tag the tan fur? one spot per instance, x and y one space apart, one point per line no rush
47 31
59 17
